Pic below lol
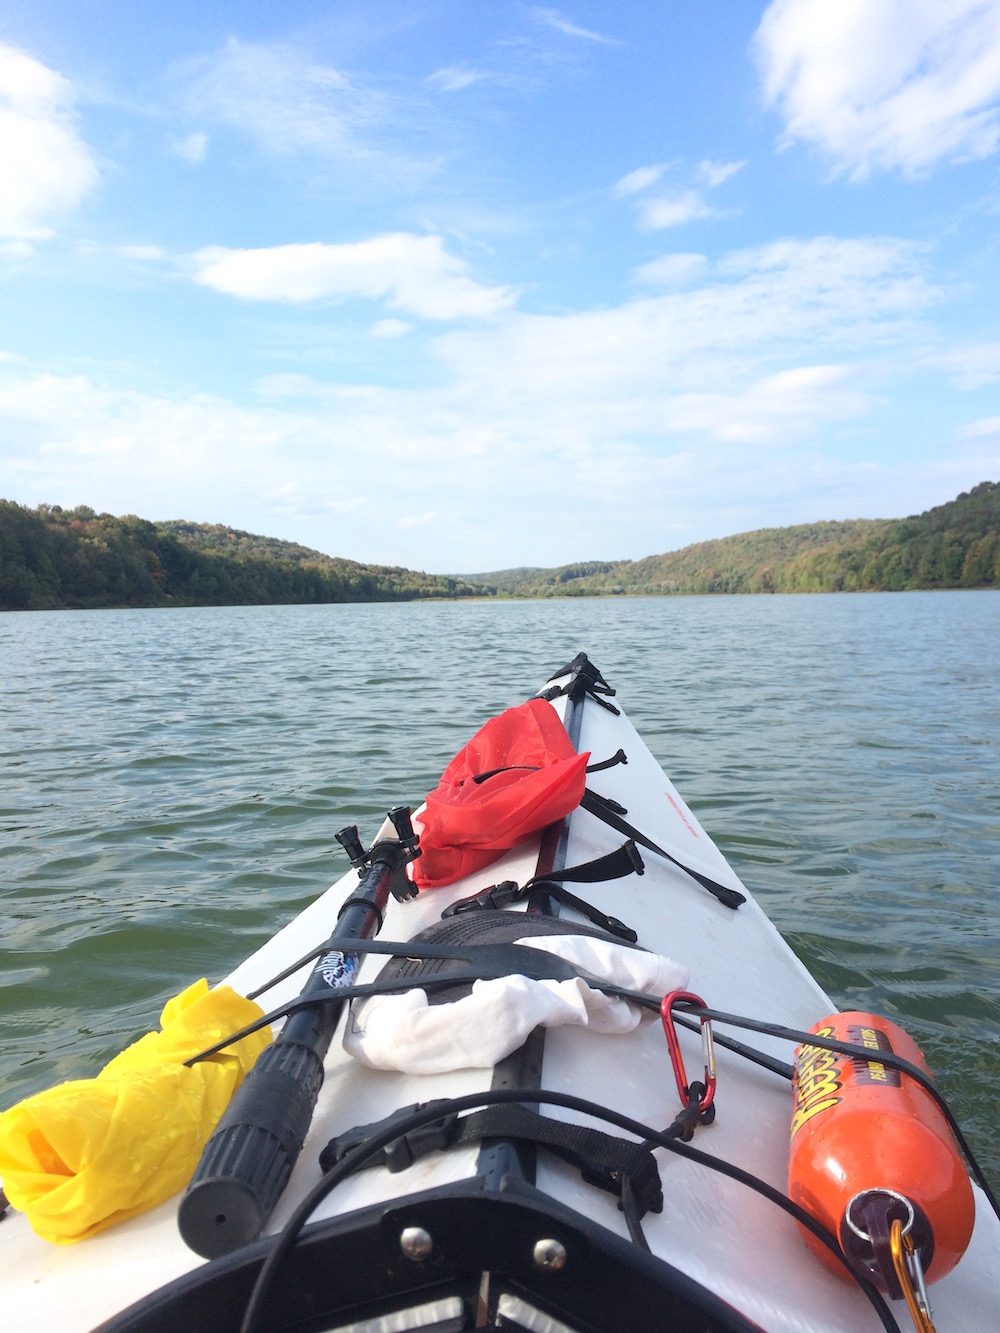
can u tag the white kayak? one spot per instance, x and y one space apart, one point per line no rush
548 1229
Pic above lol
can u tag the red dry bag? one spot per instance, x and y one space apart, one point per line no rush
518 774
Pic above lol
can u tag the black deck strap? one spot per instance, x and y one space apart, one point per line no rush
624 860
602 1159
584 678
620 758
605 810
594 914
508 891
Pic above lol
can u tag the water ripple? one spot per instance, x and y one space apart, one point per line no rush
171 782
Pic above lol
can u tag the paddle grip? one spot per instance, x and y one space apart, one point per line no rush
247 1162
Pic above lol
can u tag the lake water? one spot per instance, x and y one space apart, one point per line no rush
171 782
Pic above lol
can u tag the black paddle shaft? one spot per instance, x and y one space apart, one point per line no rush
247 1162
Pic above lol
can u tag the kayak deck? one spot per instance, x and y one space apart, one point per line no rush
714 1233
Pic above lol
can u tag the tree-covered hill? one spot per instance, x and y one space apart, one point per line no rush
52 558
956 545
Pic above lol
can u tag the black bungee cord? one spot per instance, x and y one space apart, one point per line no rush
357 1157
689 1015
686 1017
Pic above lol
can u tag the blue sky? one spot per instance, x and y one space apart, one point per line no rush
467 285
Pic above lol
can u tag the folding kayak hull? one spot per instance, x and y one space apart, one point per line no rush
718 1250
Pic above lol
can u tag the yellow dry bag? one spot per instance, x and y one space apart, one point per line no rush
85 1154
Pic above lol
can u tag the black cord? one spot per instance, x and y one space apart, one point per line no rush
888 1058
633 1218
355 1159
651 1002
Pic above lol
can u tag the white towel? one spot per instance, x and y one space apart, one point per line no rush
406 1033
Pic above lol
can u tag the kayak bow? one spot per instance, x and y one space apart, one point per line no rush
506 1136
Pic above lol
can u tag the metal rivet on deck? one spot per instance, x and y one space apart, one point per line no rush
550 1253
415 1242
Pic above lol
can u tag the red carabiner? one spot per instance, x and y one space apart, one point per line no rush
673 1045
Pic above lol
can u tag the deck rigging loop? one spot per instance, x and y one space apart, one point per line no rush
607 1161
584 679
255 1315
611 813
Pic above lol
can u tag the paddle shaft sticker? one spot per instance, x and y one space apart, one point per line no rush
339 969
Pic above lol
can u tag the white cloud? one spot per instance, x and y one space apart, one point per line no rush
972 367
552 18
151 253
455 78
774 408
883 85
20 249
985 427
411 273
389 328
45 167
653 367
713 174
599 422
671 270
679 206
640 179
288 102
193 148
673 210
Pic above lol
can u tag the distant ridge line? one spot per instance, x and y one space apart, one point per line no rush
52 558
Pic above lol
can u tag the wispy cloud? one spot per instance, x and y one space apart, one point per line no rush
143 253
456 77
775 407
743 322
671 270
672 208
390 328
712 174
192 148
703 392
286 101
46 169
984 428
411 273
637 181
883 86
971 367
552 18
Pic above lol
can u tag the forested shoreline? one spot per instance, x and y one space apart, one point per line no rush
52 558
955 545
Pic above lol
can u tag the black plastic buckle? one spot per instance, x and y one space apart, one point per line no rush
496 896
401 1152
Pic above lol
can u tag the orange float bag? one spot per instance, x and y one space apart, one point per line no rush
871 1146
518 774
